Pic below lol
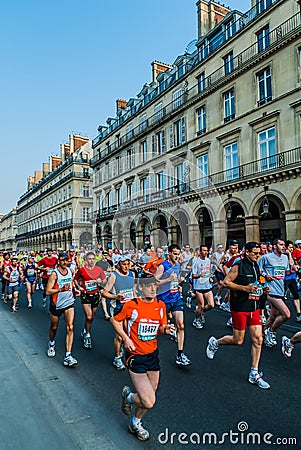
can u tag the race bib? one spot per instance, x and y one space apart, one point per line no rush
255 295
174 286
14 276
30 273
147 331
90 285
279 272
128 295
63 281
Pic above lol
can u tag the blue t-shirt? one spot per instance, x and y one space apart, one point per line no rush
169 292
276 266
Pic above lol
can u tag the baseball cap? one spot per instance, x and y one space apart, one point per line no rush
298 241
123 258
63 255
49 249
233 242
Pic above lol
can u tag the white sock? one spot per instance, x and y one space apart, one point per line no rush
135 421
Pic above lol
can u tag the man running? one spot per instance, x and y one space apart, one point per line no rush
245 292
202 284
47 265
88 280
146 318
167 276
13 276
122 281
274 267
30 275
59 287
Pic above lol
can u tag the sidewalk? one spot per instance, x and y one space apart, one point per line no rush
40 403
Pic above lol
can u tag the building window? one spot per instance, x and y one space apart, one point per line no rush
146 99
263 4
118 165
118 140
130 158
129 190
69 191
143 149
201 82
267 149
158 143
129 132
181 187
85 172
203 170
161 86
230 29
118 197
160 181
231 161
85 214
201 120
264 81
143 123
181 70
178 133
263 39
177 99
85 190
229 63
159 111
229 106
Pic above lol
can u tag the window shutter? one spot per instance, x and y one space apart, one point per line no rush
163 141
183 129
171 137
154 146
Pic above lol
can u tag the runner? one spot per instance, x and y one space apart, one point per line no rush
146 317
88 281
218 273
59 287
5 263
202 283
122 281
30 276
47 265
13 276
274 267
245 292
167 276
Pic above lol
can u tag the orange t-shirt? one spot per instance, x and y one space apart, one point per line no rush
143 322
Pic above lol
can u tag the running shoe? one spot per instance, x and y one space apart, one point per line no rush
197 324
107 317
14 309
270 338
188 302
51 350
229 323
183 360
29 305
70 361
212 347
217 299
125 406
257 379
287 347
44 302
173 336
225 306
87 342
141 433
118 364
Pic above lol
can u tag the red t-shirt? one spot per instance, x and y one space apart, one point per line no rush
144 319
296 254
50 262
87 278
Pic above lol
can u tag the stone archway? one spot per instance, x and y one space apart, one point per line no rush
159 232
143 232
85 240
205 227
235 217
271 218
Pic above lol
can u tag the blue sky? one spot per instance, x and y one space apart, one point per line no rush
64 64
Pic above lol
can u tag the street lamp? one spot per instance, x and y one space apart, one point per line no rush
229 212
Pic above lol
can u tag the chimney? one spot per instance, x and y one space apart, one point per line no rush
38 175
158 67
45 169
121 104
209 15
55 161
76 142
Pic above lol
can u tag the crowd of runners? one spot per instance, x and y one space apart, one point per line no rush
144 293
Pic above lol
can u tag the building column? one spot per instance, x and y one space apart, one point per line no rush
193 235
172 235
293 224
252 227
219 232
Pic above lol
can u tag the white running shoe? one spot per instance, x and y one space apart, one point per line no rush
141 433
50 350
183 360
118 364
212 347
287 347
257 379
70 361
197 324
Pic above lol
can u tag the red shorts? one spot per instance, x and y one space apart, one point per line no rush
243 319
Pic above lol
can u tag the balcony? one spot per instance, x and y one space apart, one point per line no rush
212 82
260 171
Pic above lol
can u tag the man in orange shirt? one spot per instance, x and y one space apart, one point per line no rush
146 319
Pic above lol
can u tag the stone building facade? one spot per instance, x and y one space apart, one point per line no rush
210 149
56 209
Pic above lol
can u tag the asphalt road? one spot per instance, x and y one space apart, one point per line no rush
208 405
